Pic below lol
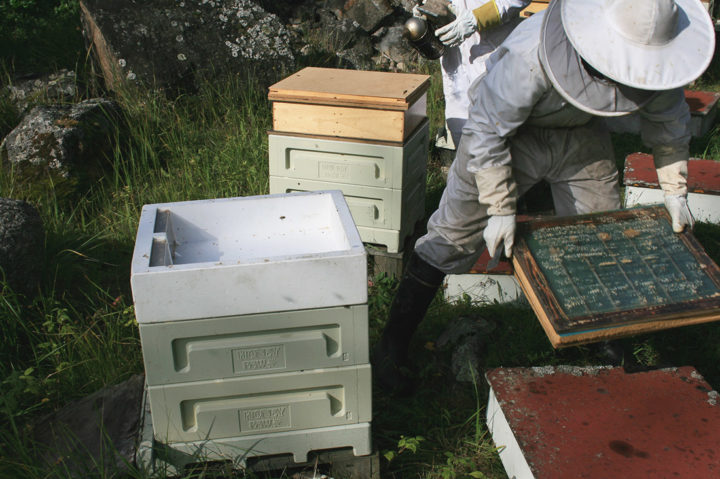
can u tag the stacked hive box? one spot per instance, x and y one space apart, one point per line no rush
364 133
253 324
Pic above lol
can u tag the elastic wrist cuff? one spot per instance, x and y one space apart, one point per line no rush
487 16
497 190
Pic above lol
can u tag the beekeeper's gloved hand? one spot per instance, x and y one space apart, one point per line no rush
679 212
455 32
500 229
417 12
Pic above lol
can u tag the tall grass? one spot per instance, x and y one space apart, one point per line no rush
79 333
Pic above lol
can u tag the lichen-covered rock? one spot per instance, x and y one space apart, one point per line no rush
58 87
406 5
22 239
369 14
94 436
63 142
466 337
393 46
175 44
325 30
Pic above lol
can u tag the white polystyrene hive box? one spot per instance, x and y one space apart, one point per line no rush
212 258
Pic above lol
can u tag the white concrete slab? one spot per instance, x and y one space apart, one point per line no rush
507 445
482 288
704 207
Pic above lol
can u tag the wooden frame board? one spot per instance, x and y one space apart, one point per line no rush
357 88
614 274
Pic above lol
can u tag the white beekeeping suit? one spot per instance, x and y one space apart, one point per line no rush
536 115
533 117
464 58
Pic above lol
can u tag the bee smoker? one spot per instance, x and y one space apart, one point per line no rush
421 35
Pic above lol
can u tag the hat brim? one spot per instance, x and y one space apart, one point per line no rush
564 68
650 67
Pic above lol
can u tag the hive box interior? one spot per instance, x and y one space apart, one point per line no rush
235 232
219 257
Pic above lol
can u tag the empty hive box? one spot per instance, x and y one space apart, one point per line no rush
212 258
332 130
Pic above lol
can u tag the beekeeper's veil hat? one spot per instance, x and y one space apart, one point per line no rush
635 47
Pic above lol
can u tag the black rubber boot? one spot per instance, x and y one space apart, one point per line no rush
416 291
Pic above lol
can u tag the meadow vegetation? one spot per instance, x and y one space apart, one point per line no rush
79 334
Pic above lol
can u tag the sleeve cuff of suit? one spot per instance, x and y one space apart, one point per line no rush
497 190
487 16
671 166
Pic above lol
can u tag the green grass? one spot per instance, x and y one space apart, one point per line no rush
79 333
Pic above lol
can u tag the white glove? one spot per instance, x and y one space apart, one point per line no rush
455 32
500 229
417 12
679 212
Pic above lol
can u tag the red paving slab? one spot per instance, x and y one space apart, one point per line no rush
603 423
703 175
701 102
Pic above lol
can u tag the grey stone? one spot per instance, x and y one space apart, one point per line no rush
359 55
406 5
22 239
95 434
58 87
63 142
369 14
466 336
396 48
176 44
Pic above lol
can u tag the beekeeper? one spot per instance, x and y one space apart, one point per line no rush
535 115
479 27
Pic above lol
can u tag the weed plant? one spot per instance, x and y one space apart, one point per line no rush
78 333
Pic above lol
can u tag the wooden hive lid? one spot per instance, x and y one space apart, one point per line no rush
369 89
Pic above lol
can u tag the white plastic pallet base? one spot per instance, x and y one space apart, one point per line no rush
482 288
167 460
704 207
508 448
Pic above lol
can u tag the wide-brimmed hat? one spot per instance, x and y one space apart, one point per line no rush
640 46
